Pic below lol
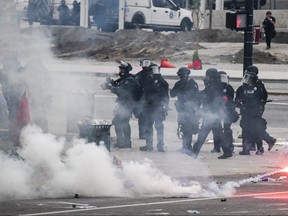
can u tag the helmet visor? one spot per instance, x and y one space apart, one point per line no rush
224 78
145 63
155 69
247 79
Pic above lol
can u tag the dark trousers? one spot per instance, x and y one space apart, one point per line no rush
189 126
122 115
268 38
215 127
142 125
227 144
155 117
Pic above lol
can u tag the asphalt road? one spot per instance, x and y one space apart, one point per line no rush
261 198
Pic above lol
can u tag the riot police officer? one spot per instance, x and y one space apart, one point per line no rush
187 106
125 88
251 99
212 102
139 111
256 140
156 103
228 114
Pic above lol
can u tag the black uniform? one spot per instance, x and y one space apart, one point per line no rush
141 77
156 101
269 28
212 103
125 88
229 116
187 106
251 99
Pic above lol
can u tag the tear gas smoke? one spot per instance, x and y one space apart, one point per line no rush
53 168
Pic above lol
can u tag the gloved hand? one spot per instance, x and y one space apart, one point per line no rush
107 84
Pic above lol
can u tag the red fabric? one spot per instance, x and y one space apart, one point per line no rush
197 65
225 99
23 115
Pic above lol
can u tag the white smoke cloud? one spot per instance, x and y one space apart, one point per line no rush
53 168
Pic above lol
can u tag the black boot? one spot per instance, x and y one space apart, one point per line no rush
271 144
225 156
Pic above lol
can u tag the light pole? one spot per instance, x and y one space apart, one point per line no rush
84 16
248 36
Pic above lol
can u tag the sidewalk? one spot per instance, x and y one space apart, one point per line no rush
266 71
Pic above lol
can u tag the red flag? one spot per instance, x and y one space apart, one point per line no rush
23 115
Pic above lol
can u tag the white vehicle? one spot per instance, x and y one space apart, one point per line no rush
158 15
153 14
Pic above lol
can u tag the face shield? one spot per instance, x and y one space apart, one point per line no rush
247 79
224 78
155 69
145 63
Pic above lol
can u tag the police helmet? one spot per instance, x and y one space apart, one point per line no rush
249 78
145 63
154 69
183 70
253 68
63 2
212 73
224 77
125 66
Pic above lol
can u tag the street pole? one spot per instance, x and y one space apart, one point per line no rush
121 18
210 13
248 36
84 16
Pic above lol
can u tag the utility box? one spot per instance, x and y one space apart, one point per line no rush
256 34
96 131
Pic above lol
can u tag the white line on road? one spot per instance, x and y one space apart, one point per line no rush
153 203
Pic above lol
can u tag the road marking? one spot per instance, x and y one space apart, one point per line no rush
122 206
154 203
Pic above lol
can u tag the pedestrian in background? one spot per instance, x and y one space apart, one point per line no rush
187 106
64 13
156 106
75 13
31 12
269 28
